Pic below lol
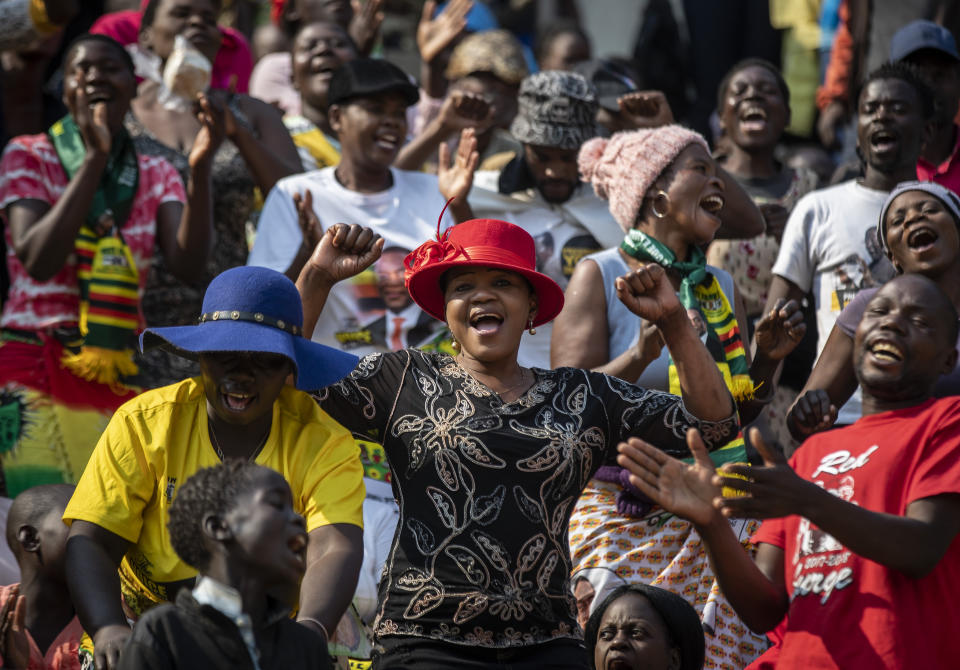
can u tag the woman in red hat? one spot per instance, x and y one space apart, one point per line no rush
488 457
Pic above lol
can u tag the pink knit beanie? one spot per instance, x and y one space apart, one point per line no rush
625 166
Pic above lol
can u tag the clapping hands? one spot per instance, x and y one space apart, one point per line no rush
14 644
695 491
780 330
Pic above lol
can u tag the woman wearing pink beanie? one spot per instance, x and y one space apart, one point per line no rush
667 194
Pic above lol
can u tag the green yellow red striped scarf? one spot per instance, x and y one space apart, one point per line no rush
106 272
700 291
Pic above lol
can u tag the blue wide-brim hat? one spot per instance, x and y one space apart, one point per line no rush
255 309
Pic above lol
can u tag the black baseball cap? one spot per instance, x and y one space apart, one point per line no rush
364 77
922 34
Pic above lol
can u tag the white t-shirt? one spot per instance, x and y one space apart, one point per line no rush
830 246
405 215
563 233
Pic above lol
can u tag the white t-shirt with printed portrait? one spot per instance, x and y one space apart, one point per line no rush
830 247
405 215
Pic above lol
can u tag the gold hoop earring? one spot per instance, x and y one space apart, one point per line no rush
533 331
653 207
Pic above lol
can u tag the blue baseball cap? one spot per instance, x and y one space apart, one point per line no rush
922 34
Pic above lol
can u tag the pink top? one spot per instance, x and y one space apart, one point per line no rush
64 652
948 172
233 58
271 82
30 169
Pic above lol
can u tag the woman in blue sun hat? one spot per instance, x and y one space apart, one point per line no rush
248 343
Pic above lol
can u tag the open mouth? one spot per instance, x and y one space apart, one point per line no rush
882 141
486 323
325 66
237 402
921 238
753 118
198 38
98 95
387 141
886 351
712 203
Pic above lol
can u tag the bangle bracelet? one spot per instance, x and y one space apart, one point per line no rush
326 635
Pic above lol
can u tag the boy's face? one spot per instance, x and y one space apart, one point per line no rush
269 537
241 386
371 129
53 541
902 344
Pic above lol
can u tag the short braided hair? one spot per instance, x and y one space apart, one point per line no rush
209 490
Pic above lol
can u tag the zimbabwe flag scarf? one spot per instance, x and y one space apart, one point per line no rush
700 291
108 277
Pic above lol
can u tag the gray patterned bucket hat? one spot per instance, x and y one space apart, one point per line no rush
556 109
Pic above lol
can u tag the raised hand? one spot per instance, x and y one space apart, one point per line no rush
365 24
14 644
771 491
687 490
648 293
107 644
780 331
307 219
212 120
645 109
221 100
92 123
436 35
462 109
455 181
346 250
811 413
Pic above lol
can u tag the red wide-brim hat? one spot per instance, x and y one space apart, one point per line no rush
488 243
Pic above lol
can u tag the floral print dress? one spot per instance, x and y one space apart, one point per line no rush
486 488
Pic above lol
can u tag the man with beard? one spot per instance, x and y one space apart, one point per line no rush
860 549
932 50
824 247
540 189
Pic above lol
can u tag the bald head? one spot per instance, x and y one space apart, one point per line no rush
31 507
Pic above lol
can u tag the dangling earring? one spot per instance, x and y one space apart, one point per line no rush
455 345
533 331
660 194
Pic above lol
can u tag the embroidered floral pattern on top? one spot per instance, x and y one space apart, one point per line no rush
486 488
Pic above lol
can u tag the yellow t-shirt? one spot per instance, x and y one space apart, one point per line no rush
156 441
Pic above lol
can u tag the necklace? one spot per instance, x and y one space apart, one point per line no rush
523 380
216 443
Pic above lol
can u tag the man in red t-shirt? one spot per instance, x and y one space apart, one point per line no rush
861 552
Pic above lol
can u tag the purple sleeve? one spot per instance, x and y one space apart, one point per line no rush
850 317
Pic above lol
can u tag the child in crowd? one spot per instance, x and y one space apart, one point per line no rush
38 626
236 525
861 550
248 344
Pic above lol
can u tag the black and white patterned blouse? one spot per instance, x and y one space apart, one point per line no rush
486 488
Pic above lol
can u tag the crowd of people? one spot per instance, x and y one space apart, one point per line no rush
395 335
